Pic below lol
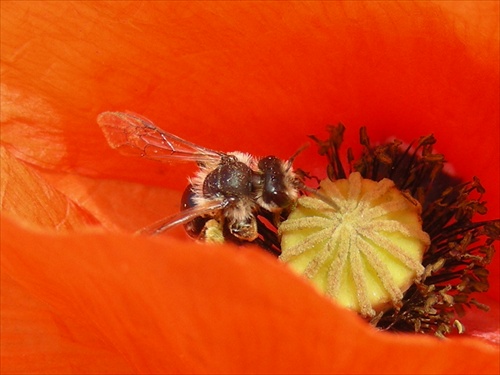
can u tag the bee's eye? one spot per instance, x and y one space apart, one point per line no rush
273 183
280 198
187 200
194 227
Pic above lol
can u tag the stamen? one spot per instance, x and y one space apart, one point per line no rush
453 268
347 237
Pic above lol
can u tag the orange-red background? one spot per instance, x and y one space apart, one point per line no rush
252 76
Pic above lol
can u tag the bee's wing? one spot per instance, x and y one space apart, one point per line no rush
134 134
184 217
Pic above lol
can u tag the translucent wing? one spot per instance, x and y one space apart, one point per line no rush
136 135
184 217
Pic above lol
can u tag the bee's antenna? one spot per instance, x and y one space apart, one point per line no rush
291 159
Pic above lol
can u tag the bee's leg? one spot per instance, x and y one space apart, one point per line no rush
212 232
245 230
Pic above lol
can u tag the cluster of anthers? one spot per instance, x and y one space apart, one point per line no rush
395 239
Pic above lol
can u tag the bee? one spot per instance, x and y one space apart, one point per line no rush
228 191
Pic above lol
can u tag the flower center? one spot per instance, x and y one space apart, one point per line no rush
359 241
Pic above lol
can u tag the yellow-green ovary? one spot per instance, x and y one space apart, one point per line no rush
361 243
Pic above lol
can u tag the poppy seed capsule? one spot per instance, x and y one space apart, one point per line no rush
359 241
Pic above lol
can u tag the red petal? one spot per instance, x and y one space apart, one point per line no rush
37 339
275 72
27 196
119 205
158 307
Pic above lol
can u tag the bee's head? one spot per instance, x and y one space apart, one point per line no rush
276 187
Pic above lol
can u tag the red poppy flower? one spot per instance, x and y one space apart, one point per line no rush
256 77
